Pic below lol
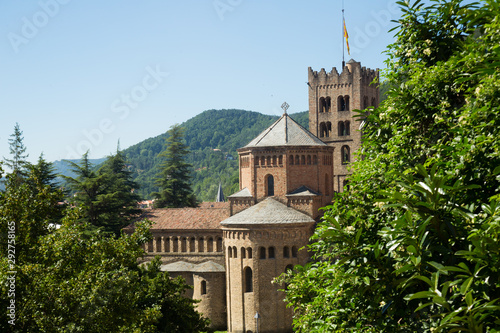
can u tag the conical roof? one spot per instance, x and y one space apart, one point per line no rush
285 132
220 195
268 211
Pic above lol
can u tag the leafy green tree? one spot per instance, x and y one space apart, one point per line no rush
412 246
174 175
73 280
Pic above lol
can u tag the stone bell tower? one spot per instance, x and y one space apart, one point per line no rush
332 99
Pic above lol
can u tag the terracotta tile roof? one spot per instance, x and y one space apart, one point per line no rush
207 216
216 205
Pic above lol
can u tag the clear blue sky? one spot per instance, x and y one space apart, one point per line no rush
83 74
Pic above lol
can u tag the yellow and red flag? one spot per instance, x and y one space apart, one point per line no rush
346 36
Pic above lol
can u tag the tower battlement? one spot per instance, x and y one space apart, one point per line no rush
350 73
333 97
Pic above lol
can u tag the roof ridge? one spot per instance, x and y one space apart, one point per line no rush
269 129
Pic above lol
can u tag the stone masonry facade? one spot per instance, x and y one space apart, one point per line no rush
230 252
332 99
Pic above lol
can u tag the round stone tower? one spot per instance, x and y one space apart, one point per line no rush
262 242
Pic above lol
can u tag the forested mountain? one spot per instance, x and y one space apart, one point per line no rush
213 137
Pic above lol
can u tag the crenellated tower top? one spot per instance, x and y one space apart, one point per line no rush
350 72
332 98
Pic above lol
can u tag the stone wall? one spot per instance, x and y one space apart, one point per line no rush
266 251
210 290
332 99
290 167
185 245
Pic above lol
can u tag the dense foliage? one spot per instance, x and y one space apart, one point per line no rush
106 196
73 279
413 244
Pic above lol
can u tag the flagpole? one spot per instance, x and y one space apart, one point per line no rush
343 36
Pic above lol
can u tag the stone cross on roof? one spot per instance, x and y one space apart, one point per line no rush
285 106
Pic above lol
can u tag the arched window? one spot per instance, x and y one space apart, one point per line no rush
269 161
309 160
175 244
322 104
346 156
201 248
167 244
249 252
192 244
230 252
183 244
328 128
345 185
297 159
291 159
303 160
288 268
235 252
210 245
158 244
347 127
373 101
322 131
243 253
328 104
341 128
270 185
262 252
346 102
315 159
280 160
365 102
219 244
203 287
286 252
262 161
275 160
248 280
150 246
271 252
340 103
294 252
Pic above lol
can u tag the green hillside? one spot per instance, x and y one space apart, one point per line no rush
213 137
